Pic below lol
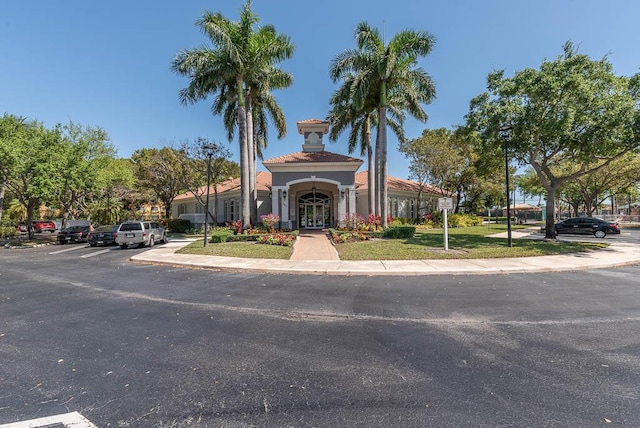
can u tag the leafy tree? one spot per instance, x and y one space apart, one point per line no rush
160 170
12 134
240 57
83 154
116 192
573 109
381 72
447 160
194 170
34 176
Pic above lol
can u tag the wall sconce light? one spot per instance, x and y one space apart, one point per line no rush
284 194
342 192
270 195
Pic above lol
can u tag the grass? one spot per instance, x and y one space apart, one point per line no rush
250 250
464 243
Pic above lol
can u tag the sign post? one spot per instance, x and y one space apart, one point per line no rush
445 204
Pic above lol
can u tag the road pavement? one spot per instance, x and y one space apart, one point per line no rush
135 345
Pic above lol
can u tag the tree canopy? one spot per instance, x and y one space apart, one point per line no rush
572 109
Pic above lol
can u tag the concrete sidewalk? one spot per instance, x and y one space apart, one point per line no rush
617 254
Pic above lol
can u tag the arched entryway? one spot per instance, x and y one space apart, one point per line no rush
314 211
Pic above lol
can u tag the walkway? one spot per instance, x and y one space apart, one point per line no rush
314 245
616 255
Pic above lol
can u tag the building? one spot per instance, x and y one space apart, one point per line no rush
310 189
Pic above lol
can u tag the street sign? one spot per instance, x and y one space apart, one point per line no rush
445 203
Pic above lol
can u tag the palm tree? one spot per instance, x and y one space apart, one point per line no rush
344 115
381 73
261 106
240 54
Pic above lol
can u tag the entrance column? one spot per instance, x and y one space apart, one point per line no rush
284 217
342 205
352 200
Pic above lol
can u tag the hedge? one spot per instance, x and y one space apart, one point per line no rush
399 232
178 225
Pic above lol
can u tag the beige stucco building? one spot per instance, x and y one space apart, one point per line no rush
311 189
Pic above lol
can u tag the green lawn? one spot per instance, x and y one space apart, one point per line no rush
464 243
239 249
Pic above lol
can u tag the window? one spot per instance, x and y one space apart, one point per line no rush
182 209
412 208
199 208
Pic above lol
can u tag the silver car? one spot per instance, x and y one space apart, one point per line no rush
141 233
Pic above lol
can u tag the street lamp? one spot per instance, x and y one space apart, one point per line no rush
505 133
209 150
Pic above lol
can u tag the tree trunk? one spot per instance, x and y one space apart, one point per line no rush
383 165
244 158
371 177
377 186
3 187
252 143
550 232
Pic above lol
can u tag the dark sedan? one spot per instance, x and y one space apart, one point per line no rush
74 234
586 226
103 235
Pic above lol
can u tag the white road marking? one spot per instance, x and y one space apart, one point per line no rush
96 253
69 420
69 249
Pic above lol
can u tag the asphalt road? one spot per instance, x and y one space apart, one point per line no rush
130 345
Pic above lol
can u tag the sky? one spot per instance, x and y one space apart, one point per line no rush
107 63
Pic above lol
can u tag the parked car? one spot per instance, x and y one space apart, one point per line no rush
103 235
586 226
74 234
141 233
40 226
22 228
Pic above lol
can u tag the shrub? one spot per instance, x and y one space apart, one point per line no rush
269 221
178 225
400 232
221 235
8 232
277 239
340 237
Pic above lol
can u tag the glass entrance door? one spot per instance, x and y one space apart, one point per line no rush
314 215
314 211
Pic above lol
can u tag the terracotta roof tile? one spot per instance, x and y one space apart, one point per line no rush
311 157
362 182
316 121
263 181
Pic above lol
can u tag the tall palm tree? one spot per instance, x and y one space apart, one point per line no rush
240 53
383 71
345 115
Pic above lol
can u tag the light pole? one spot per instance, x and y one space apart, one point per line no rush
209 150
505 132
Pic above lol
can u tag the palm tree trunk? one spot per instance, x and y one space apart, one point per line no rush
383 165
244 157
251 140
3 187
371 180
378 187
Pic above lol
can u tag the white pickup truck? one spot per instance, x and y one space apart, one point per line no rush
141 233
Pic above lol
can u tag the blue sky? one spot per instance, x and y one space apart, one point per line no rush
107 63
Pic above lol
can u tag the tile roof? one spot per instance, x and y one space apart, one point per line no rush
263 181
316 121
311 157
362 182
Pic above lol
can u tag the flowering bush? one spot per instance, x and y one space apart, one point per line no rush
277 239
269 221
374 222
236 226
352 236
353 221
